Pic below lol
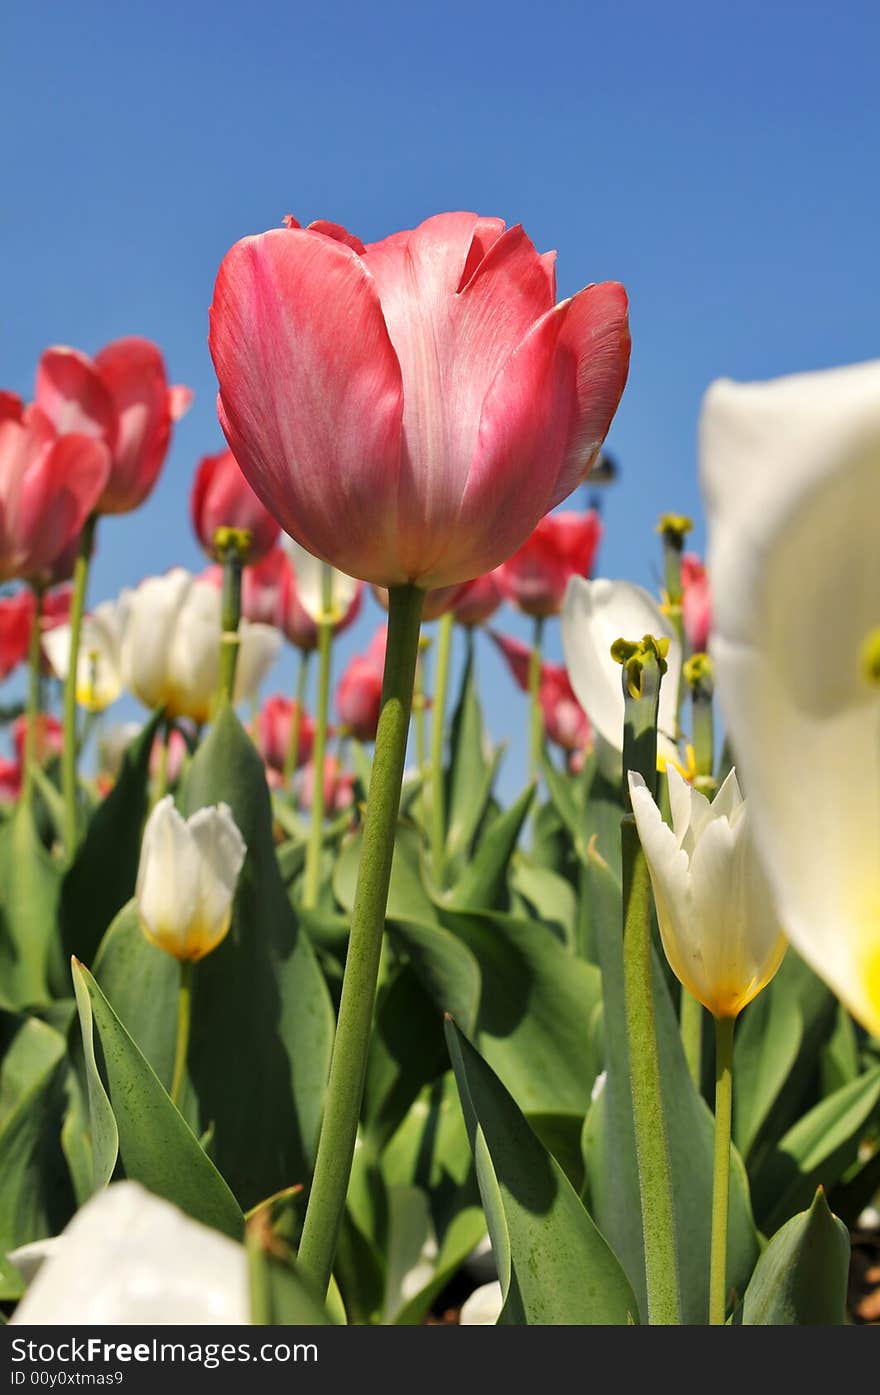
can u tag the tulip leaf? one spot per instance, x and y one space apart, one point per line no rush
262 1020
554 1265
550 896
36 1198
463 1234
817 1149
801 1278
280 1295
156 1145
609 1141
28 1049
406 1052
102 877
141 982
472 768
483 881
103 1141
30 882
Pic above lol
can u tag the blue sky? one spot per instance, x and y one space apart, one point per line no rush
719 159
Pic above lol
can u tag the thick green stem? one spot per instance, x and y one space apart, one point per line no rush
348 1067
536 719
312 875
230 617
690 1024
32 718
721 1179
438 718
652 1148
291 760
181 1045
69 750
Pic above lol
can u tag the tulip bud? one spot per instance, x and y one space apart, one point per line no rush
222 498
478 599
562 546
274 732
696 603
187 877
718 922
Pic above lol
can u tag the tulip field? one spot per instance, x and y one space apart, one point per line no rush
303 1021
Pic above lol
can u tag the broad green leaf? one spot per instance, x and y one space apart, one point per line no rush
30 882
103 1140
463 1234
101 878
29 1049
281 1296
156 1145
262 1020
554 1265
550 896
482 883
406 1052
840 1056
767 1043
612 1175
142 983
36 1198
472 768
801 1277
816 1150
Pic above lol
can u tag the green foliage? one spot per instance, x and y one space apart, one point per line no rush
801 1277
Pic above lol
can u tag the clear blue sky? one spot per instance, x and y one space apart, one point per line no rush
720 159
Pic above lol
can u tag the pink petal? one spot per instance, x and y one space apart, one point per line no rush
59 492
180 400
11 406
336 231
452 334
518 656
311 397
72 393
133 372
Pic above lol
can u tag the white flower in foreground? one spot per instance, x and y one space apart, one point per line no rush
171 647
790 472
594 615
187 876
483 1308
718 922
99 679
309 573
129 1257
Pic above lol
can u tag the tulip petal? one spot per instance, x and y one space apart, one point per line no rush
133 371
58 493
309 574
222 851
155 607
259 647
71 391
311 398
168 889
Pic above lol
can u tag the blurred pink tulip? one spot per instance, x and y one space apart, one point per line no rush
177 753
696 605
563 545
49 485
438 601
565 721
359 691
121 397
297 624
409 410
10 780
338 786
16 618
478 599
261 588
221 497
49 739
274 730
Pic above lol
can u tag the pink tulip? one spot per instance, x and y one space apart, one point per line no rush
121 397
49 485
696 605
359 691
261 588
10 780
221 497
437 602
338 786
479 599
49 737
409 410
565 721
297 624
562 546
274 730
177 753
16 619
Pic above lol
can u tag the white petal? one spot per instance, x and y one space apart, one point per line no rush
152 617
130 1258
221 851
258 649
483 1307
168 889
193 661
594 615
56 647
309 573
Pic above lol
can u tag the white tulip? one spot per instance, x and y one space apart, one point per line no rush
187 877
309 573
130 1258
790 471
483 1307
171 647
594 615
99 679
717 918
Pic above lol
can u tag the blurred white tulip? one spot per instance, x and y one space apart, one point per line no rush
309 573
99 680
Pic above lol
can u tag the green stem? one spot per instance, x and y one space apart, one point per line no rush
291 760
652 1148
438 717
32 719
536 720
721 1178
348 1067
181 1045
69 750
312 875
230 616
690 1025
